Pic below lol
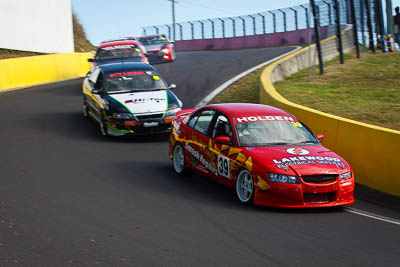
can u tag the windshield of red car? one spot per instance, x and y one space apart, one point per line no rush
272 130
153 40
118 51
122 82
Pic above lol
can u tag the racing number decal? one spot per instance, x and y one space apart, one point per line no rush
223 166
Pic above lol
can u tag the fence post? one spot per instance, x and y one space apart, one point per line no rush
223 27
192 29
233 26
144 32
284 19
355 31
348 13
318 38
254 23
296 22
362 21
244 25
339 31
180 30
370 32
212 28
307 16
263 22
169 31
202 28
273 20
157 30
329 12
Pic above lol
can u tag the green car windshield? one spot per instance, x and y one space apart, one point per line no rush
273 133
153 40
137 80
118 51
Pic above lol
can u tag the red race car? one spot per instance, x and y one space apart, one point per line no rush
265 153
126 49
159 48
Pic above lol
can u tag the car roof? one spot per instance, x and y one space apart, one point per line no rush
152 36
118 42
247 109
125 66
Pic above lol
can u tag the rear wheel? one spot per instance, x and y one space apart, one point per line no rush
245 187
178 159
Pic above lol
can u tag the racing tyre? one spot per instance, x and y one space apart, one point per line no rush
178 159
85 109
173 55
245 187
103 127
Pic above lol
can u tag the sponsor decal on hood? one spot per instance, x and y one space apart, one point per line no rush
144 102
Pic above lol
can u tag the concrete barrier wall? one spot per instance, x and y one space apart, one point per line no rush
251 41
371 150
29 71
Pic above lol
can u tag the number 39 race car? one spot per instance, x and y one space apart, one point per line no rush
265 153
129 98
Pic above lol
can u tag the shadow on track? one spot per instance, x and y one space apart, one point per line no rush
160 177
72 125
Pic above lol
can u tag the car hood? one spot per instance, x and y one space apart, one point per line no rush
144 102
298 160
118 60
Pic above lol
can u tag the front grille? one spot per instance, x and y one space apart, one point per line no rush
152 116
319 197
319 178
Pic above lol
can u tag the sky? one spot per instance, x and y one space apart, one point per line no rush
107 19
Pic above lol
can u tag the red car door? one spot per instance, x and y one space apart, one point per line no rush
197 143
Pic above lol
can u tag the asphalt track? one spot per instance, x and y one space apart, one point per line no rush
69 197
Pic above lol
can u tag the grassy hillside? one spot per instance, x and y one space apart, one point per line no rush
81 43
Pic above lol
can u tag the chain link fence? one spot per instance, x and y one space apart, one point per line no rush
273 21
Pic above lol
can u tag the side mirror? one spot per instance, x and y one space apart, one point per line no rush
90 59
320 137
172 86
223 140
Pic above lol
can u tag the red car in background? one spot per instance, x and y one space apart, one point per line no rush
126 49
265 153
159 48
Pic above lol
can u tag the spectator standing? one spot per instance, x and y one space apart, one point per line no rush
396 20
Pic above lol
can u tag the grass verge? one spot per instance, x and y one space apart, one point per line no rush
366 89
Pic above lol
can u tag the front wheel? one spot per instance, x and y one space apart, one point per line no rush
178 159
85 108
245 187
103 127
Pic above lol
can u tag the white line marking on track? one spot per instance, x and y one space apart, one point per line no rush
223 86
373 216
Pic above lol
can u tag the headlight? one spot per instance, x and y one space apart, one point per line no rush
172 112
281 178
345 175
126 116
165 50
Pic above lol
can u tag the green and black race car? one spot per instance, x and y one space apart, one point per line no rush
129 98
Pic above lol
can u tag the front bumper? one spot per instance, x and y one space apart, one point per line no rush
307 195
122 127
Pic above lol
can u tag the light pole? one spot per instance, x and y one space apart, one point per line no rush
173 18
